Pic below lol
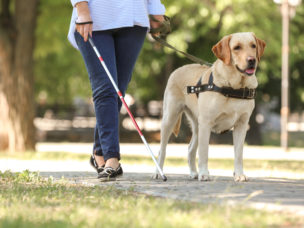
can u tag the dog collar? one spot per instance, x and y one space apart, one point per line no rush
242 93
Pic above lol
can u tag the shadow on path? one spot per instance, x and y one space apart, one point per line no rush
272 193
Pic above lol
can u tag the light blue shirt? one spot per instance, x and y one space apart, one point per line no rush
111 14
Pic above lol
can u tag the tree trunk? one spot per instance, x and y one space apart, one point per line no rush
17 110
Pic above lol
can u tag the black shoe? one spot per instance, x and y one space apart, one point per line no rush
95 165
110 174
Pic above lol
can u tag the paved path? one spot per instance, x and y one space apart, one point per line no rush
275 194
267 190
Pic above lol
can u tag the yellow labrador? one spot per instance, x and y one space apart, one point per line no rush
238 56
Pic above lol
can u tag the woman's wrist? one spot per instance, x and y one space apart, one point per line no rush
83 11
84 20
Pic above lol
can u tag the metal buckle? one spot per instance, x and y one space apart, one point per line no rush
251 93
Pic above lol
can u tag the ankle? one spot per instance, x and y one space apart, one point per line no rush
112 162
99 160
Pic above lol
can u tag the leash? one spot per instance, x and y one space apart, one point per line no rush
163 31
191 57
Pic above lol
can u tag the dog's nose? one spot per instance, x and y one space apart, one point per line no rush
251 61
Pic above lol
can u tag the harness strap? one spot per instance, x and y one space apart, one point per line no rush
243 93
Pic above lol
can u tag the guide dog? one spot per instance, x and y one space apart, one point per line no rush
237 55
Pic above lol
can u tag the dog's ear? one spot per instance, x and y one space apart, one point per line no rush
222 50
260 47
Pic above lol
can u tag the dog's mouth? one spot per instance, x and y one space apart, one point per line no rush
248 71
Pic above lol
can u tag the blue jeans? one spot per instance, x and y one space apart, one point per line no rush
119 48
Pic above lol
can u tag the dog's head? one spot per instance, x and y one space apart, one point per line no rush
241 50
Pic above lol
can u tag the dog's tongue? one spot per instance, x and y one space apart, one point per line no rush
249 71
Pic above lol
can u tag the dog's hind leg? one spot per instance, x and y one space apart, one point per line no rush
172 113
193 145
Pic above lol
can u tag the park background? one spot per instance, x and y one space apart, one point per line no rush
48 97
46 113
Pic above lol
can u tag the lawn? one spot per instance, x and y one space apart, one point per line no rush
28 200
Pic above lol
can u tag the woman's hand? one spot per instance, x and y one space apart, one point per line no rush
84 16
158 23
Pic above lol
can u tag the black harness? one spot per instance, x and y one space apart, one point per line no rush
243 93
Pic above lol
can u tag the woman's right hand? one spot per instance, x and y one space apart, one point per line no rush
84 16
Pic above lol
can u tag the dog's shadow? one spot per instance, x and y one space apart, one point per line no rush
266 190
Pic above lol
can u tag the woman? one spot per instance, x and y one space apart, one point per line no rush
118 29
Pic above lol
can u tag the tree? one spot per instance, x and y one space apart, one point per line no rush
17 29
59 68
198 25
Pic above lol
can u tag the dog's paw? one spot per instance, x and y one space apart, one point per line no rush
205 177
193 175
240 178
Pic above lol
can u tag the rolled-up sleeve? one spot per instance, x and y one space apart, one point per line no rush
155 7
74 2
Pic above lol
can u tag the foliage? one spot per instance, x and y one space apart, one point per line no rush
197 26
60 73
46 203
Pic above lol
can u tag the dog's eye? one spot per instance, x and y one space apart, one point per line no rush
238 47
253 46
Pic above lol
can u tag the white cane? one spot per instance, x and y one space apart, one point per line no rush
127 108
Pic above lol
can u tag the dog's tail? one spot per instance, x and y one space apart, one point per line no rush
177 125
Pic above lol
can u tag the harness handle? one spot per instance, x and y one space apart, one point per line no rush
165 26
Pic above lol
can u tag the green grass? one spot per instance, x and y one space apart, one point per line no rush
28 200
282 165
272 138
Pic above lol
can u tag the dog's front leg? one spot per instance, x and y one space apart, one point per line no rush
192 149
239 134
203 145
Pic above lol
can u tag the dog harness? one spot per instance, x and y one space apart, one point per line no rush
242 93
